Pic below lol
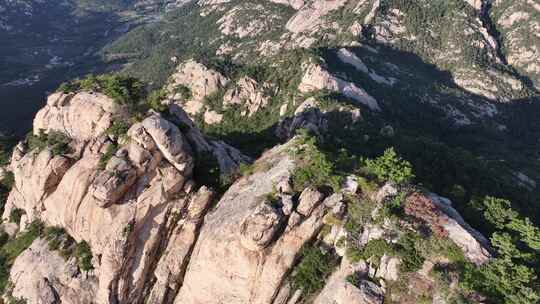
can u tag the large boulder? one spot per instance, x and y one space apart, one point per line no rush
83 115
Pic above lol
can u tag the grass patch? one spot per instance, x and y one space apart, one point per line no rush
314 268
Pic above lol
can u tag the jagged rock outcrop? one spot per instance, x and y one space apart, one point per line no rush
40 275
240 265
246 93
445 221
201 82
123 209
307 116
317 78
154 239
228 157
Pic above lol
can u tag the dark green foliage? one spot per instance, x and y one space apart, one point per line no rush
122 89
372 251
155 100
58 240
359 213
185 92
109 153
412 259
15 215
512 277
207 172
57 142
11 249
119 128
503 281
500 214
310 275
5 187
390 167
68 87
83 253
314 168
16 246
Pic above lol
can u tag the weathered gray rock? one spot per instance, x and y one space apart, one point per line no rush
388 268
174 260
260 227
37 175
171 143
309 199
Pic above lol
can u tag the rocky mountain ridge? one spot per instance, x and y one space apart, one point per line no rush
142 216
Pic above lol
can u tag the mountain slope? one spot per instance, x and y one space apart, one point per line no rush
286 152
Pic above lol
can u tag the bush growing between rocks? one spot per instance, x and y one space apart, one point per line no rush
5 187
311 273
57 142
118 128
15 215
122 89
109 153
12 248
390 167
372 251
314 168
412 259
155 100
83 253
185 92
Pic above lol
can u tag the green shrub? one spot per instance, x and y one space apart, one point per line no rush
412 259
68 87
184 92
502 281
17 245
359 214
313 269
246 169
207 171
313 168
15 215
124 90
5 187
57 142
109 153
155 100
83 253
375 249
390 167
118 128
